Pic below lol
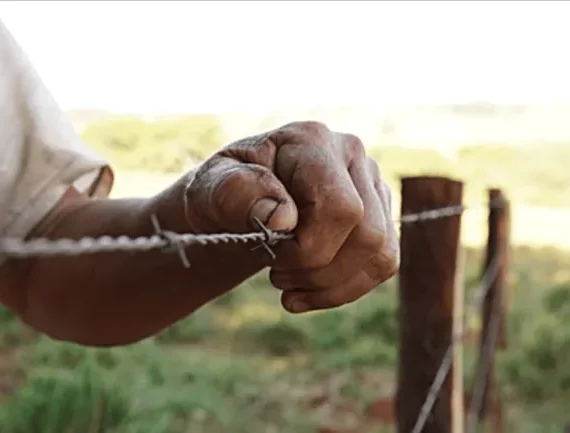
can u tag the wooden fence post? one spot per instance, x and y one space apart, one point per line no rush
427 282
493 305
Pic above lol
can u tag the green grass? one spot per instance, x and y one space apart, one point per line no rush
242 364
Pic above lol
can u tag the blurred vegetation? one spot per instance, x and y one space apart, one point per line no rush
241 364
535 175
160 146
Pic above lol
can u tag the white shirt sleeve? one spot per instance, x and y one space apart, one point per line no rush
41 155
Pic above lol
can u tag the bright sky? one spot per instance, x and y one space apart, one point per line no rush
215 55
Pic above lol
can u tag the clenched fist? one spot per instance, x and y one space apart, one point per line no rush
320 185
300 178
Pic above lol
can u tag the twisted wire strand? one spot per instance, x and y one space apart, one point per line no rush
40 247
165 240
490 340
15 247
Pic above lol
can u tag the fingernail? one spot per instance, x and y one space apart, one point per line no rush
298 306
263 209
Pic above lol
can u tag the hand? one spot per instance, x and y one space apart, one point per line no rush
319 184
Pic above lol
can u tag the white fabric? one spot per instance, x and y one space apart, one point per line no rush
41 156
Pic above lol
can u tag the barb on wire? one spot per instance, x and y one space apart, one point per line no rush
267 241
170 241
443 371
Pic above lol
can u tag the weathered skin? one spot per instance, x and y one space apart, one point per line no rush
301 177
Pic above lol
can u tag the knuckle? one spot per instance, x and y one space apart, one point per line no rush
245 147
354 213
355 147
391 270
373 167
372 239
383 189
390 265
386 187
310 127
395 255
346 209
387 266
310 133
393 264
387 192
318 128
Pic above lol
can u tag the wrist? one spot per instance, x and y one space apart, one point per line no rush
169 207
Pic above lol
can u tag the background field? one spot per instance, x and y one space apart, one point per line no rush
243 365
533 224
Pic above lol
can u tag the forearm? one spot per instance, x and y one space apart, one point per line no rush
118 298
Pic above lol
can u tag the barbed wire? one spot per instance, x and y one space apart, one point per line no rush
474 304
170 241
480 383
176 242
432 214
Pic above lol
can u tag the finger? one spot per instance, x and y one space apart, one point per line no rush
328 203
381 187
300 301
384 192
392 245
365 240
374 273
226 195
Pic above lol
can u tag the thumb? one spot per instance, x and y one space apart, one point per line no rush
230 195
274 214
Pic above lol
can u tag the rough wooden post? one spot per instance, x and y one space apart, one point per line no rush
493 305
429 252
